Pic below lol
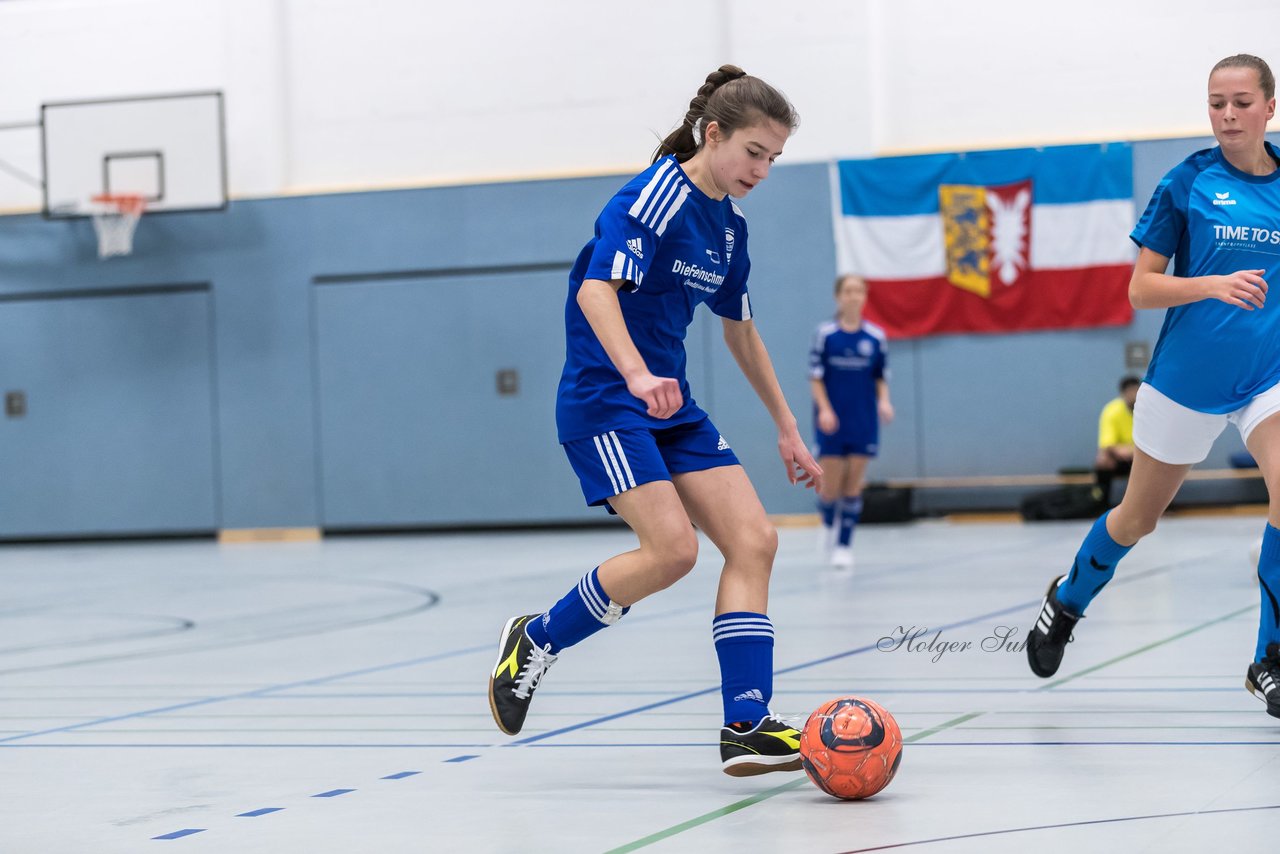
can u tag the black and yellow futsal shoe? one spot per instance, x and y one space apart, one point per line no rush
521 664
771 745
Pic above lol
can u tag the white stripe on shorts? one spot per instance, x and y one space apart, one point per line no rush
608 466
630 480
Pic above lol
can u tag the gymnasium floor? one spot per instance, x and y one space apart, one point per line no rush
330 697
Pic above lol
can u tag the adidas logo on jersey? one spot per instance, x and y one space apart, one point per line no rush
722 445
634 245
1224 199
753 694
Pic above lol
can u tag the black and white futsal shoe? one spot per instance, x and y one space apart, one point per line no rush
1263 679
1050 635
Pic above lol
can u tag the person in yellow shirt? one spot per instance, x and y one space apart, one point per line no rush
1115 439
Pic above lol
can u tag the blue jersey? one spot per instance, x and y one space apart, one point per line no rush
675 247
1213 219
849 364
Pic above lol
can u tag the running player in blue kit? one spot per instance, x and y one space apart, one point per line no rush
1217 214
668 241
849 377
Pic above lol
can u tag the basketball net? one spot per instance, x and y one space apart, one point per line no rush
115 216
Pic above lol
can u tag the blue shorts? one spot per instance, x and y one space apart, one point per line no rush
842 444
611 463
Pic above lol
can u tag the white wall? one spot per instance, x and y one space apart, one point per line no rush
341 94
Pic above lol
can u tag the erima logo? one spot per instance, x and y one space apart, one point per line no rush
753 694
1224 199
722 445
634 245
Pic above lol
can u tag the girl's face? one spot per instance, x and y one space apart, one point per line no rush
741 161
1238 111
852 296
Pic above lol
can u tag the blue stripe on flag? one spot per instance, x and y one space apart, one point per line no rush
1063 174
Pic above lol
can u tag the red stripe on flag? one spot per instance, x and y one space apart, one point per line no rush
1041 299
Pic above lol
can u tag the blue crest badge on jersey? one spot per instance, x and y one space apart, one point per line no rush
728 245
864 347
987 234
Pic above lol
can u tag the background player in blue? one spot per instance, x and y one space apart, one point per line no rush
848 372
1217 214
669 240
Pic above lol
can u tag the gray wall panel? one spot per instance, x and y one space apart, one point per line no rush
118 436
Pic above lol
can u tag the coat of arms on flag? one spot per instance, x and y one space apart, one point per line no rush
990 241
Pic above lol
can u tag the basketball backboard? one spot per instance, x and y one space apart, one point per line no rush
169 149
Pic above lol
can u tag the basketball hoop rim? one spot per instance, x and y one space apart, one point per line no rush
124 203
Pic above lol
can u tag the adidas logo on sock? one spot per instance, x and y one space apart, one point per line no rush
752 694
722 445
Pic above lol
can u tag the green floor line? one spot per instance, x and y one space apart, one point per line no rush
761 796
1110 661
669 832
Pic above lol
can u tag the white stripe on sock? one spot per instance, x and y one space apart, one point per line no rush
590 598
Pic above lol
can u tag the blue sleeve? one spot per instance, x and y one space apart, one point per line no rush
624 247
732 300
881 371
1164 222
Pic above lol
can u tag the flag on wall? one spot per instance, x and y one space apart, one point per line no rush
990 241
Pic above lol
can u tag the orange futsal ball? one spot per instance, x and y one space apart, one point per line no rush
851 748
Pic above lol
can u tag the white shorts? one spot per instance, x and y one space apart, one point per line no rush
1174 434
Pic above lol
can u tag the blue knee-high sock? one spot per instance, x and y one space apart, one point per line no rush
828 511
744 645
1094 566
850 513
583 611
1269 589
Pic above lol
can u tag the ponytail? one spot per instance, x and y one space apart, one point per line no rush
732 99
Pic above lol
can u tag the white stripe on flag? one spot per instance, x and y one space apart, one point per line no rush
1084 235
607 467
1063 237
623 457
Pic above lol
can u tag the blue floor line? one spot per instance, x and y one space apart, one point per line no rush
244 695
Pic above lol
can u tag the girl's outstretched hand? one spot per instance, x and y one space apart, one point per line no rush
801 466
